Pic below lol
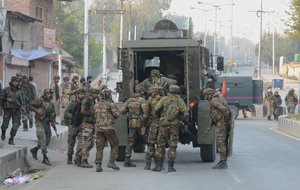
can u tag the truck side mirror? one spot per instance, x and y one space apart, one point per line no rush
220 63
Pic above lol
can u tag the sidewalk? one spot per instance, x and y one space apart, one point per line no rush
13 157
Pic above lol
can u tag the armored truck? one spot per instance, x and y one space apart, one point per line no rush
242 93
174 53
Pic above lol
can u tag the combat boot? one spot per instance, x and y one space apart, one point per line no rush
112 164
148 165
99 168
158 166
46 160
77 161
221 165
25 127
3 134
34 152
11 141
171 166
127 163
85 164
69 160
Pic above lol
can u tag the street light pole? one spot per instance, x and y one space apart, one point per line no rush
205 23
86 38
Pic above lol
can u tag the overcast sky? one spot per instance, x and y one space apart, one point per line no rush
245 23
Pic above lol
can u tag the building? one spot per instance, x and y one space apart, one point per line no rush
28 42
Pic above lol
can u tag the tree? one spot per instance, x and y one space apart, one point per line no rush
294 21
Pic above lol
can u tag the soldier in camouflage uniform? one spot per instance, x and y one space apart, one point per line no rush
73 119
134 109
276 104
153 122
65 91
291 101
155 79
220 116
170 109
74 87
269 102
55 88
44 117
11 104
88 131
87 84
28 95
105 112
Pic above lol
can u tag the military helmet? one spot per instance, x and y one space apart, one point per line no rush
82 80
174 89
155 72
56 77
66 78
80 90
208 91
94 90
14 78
105 94
138 89
48 90
75 77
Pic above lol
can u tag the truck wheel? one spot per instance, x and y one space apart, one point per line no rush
234 111
121 155
208 152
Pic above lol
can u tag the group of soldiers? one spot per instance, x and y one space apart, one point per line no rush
273 102
14 100
90 112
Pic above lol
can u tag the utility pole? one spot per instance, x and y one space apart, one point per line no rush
104 12
104 75
86 38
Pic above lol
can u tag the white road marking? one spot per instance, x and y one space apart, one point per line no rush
273 129
235 177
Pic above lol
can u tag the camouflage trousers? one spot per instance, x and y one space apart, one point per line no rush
56 106
25 117
43 134
269 106
221 138
63 107
152 141
16 121
88 137
132 137
78 153
73 134
101 138
167 135
291 109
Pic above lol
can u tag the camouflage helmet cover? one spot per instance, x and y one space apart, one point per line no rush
155 88
174 89
48 90
208 91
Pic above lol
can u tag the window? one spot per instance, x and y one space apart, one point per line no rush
41 13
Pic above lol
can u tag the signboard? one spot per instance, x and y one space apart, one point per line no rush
49 37
19 61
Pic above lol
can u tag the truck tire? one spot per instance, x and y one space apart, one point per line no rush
234 111
208 152
121 155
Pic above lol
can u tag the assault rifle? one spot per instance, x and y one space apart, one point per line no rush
51 121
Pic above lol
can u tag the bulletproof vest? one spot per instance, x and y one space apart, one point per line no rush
66 90
134 107
216 112
103 116
290 98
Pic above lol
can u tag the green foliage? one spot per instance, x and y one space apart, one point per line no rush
294 21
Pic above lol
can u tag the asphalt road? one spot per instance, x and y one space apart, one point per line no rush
262 159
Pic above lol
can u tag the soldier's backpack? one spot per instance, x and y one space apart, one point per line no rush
103 116
76 115
172 110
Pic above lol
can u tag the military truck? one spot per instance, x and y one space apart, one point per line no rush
173 52
242 93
